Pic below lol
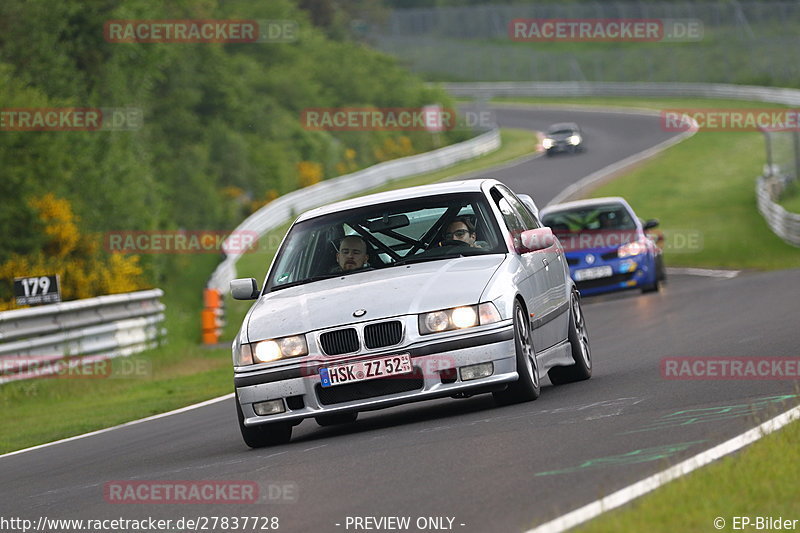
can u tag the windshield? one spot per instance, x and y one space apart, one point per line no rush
561 132
602 217
385 236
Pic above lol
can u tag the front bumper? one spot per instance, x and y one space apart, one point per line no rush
628 273
435 375
563 146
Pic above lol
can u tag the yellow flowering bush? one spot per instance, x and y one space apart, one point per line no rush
308 173
83 270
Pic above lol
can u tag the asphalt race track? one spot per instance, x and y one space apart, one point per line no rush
487 468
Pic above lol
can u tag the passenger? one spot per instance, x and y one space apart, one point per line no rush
461 229
608 220
352 253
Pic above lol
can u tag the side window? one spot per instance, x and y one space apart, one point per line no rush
524 214
512 219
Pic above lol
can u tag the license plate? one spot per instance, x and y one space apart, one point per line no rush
593 273
363 370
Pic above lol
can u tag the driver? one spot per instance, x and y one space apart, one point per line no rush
461 229
352 253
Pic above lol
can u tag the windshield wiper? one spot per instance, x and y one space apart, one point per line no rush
423 259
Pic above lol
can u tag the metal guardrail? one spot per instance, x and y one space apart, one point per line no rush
292 204
100 328
784 224
775 95
781 222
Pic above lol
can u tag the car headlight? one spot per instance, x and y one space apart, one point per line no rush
547 144
458 318
574 139
631 249
274 349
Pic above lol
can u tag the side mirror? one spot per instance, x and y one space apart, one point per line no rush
244 289
533 240
652 223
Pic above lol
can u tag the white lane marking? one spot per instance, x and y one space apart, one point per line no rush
126 424
640 488
708 272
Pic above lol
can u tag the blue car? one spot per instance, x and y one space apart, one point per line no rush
606 246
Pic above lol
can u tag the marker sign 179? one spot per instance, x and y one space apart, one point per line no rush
37 290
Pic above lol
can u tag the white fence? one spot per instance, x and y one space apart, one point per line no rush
782 223
37 340
290 205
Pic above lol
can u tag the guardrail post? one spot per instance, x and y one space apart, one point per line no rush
212 317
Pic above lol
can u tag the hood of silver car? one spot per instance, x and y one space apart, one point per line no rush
382 293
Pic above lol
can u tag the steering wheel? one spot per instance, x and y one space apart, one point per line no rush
454 242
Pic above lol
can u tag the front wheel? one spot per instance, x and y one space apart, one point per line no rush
527 387
264 434
579 342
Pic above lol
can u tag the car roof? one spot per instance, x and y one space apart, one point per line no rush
563 126
591 202
471 185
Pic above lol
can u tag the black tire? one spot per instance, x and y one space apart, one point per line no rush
653 287
549 153
337 419
579 341
264 434
527 387
661 270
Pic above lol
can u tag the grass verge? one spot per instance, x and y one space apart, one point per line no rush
790 199
761 480
179 373
174 375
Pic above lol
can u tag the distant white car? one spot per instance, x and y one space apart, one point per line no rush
463 291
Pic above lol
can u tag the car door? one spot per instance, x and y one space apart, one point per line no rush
532 281
551 281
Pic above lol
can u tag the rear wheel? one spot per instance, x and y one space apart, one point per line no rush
527 387
335 420
263 434
579 341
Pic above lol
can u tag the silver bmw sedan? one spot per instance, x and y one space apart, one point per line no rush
445 290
